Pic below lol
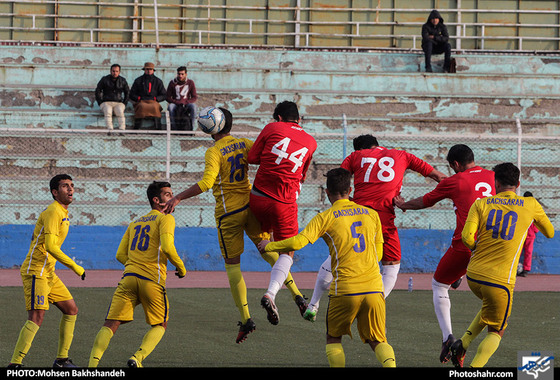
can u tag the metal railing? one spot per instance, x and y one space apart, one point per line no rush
158 23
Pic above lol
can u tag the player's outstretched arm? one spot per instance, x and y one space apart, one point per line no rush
52 248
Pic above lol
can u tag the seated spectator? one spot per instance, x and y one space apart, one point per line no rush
435 40
111 94
181 98
146 93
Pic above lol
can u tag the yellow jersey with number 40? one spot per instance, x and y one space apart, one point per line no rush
353 235
499 224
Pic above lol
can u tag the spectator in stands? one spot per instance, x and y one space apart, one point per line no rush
435 40
181 99
146 93
111 95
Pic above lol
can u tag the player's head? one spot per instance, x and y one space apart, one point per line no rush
229 121
339 182
364 142
286 111
62 188
506 175
527 194
459 157
159 192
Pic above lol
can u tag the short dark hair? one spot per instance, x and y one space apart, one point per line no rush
288 110
460 153
55 181
507 174
229 121
339 181
154 190
527 194
364 142
116 65
182 68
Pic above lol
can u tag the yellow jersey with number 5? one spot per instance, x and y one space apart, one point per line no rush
499 224
353 235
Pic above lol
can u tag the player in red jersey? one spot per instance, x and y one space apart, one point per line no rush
470 183
378 177
283 151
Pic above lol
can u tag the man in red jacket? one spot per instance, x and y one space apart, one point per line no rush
181 99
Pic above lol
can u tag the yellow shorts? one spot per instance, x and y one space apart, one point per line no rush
231 229
496 299
368 309
40 291
132 291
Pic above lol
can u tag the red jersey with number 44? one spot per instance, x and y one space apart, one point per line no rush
284 151
463 189
378 175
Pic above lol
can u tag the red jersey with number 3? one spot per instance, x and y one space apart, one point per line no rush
378 175
283 151
463 189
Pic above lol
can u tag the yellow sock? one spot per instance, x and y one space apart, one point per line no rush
149 342
473 331
65 334
26 336
486 349
385 354
335 355
99 346
238 290
271 257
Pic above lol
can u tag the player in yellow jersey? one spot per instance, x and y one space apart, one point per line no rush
495 230
41 285
354 236
226 173
145 249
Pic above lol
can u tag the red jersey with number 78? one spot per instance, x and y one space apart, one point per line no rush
378 175
283 151
463 189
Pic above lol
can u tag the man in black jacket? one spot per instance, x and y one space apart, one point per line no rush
435 40
146 93
111 94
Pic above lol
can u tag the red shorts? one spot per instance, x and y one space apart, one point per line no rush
391 241
453 265
279 219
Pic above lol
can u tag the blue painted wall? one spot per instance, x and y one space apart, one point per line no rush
94 247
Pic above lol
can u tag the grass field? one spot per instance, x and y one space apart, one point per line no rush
203 327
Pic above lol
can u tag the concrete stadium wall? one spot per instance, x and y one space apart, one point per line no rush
45 87
94 247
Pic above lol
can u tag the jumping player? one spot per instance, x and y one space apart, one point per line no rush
470 183
41 285
378 176
283 151
145 249
495 230
226 173
353 234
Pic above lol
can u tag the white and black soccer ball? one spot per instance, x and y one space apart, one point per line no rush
211 120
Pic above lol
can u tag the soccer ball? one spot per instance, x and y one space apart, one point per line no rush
211 120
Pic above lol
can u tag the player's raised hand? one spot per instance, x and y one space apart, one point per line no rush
170 205
262 245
